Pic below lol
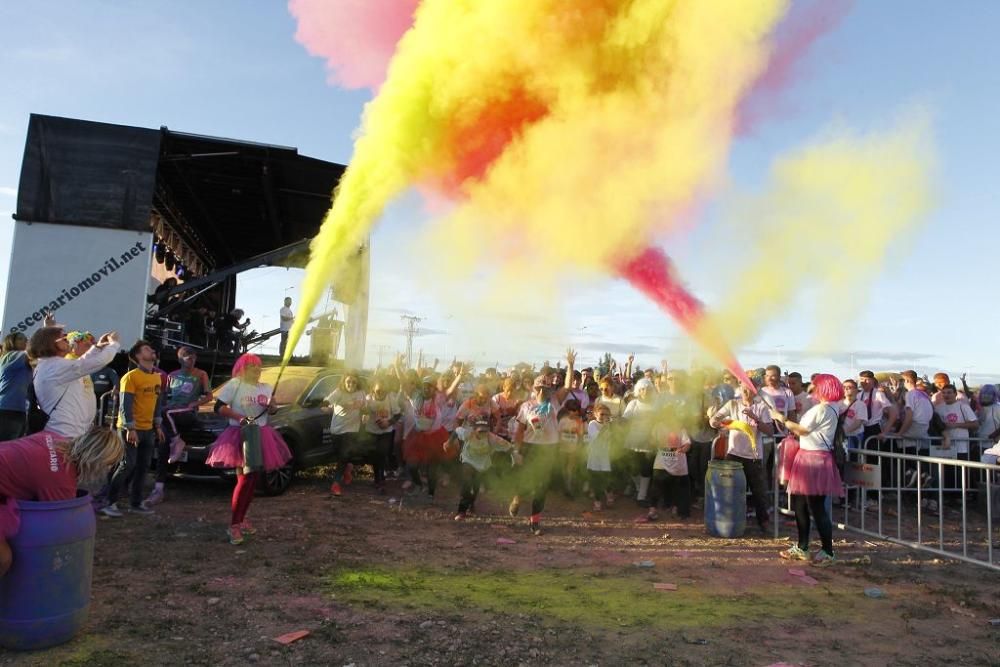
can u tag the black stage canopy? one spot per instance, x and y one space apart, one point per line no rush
228 200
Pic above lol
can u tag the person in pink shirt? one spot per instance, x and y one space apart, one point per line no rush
47 467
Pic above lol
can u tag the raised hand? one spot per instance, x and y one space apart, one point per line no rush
570 356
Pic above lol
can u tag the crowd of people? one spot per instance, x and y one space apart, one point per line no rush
596 434
611 432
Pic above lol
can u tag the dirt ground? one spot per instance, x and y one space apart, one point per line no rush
377 585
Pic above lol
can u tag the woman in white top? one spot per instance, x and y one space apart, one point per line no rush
60 384
345 403
381 411
245 400
813 474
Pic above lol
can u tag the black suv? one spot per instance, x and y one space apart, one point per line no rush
300 420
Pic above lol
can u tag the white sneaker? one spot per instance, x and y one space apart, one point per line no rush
111 511
141 508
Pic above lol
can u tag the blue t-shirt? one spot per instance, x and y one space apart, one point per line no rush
15 377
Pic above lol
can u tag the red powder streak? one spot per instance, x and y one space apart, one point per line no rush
476 142
651 272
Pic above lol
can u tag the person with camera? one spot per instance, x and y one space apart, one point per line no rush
64 396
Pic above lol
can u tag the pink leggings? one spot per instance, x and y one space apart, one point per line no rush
242 496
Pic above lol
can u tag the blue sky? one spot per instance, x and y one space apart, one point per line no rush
219 69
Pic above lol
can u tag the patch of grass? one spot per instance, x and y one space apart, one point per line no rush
96 658
577 597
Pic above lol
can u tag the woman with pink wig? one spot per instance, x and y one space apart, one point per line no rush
813 473
245 400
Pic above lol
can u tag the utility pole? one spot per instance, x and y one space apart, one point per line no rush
410 323
381 350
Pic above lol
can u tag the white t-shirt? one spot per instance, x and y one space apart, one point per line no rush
959 411
669 459
989 420
739 444
857 416
249 400
383 410
478 448
285 319
640 418
781 399
875 406
615 405
59 384
598 446
346 417
803 402
581 396
540 424
821 422
918 402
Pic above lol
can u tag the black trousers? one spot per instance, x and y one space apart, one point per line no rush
754 471
671 490
698 458
804 506
471 480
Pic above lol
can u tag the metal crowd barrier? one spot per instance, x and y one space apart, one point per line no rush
869 490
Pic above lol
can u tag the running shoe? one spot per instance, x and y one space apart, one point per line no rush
536 528
822 559
248 528
460 516
111 511
141 508
335 489
235 534
794 553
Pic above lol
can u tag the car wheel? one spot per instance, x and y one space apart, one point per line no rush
276 482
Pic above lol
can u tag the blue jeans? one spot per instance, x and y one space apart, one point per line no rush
132 468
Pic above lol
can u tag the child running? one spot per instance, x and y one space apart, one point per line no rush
599 457
478 446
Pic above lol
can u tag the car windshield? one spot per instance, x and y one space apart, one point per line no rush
289 389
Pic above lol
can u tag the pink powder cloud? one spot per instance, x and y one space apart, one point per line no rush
357 38
795 37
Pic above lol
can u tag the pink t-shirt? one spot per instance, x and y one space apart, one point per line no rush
32 469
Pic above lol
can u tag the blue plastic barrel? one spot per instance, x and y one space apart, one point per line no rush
725 499
45 596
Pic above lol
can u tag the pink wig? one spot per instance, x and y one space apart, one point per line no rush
828 388
245 360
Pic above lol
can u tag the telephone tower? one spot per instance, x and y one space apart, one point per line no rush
410 323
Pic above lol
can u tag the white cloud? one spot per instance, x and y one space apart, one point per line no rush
7 191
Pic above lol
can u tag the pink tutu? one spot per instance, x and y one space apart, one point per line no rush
786 457
10 518
814 473
227 450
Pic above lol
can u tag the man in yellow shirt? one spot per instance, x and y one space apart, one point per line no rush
139 419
